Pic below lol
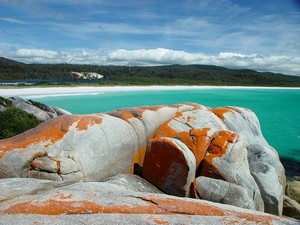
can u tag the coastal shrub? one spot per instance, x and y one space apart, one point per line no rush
5 102
15 121
38 104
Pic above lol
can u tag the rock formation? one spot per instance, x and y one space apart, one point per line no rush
31 201
186 150
42 113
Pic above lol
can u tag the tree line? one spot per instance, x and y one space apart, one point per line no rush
154 75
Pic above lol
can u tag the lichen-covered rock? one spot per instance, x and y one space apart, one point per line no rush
146 120
264 163
170 166
83 147
70 147
226 159
97 202
221 143
223 192
137 219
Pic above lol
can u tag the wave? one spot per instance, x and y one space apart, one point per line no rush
61 95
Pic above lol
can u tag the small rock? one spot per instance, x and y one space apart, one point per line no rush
61 112
293 190
291 208
2 108
223 192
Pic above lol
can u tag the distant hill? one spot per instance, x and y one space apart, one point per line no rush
141 75
8 61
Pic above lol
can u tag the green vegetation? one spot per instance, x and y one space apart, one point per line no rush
5 102
136 75
38 104
14 121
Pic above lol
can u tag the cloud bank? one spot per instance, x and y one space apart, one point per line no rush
161 56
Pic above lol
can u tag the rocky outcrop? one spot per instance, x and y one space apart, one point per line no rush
183 149
42 113
83 147
51 202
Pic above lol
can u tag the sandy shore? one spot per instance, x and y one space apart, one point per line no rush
23 92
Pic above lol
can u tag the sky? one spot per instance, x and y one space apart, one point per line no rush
263 35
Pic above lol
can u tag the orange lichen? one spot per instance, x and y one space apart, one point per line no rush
258 219
220 112
158 220
189 118
197 140
57 207
165 131
138 157
161 156
221 142
50 131
150 205
217 148
124 114
88 120
208 169
181 206
201 142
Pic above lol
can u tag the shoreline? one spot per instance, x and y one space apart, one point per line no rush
48 91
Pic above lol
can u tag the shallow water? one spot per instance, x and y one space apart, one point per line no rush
277 109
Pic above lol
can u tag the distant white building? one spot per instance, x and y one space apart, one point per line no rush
86 75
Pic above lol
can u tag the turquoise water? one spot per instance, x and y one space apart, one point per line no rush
277 109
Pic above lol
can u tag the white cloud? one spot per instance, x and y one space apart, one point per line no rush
35 53
12 20
162 56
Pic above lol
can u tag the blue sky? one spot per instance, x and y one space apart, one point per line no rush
255 34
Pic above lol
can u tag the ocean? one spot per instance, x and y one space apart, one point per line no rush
278 110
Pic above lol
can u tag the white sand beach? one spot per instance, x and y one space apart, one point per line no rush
37 91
